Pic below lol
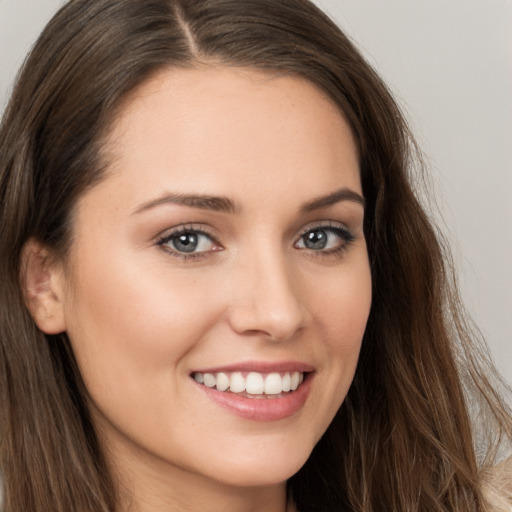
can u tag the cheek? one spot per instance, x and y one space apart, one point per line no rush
342 312
129 323
343 307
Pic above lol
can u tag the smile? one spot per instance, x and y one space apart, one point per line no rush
252 384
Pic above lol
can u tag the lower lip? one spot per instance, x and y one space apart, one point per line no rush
264 409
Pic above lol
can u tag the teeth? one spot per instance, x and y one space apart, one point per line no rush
209 380
287 382
237 383
294 382
254 384
222 382
273 384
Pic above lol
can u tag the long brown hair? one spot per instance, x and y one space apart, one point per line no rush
403 438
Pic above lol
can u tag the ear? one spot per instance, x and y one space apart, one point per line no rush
43 287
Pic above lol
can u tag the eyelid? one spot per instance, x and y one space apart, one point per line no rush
327 224
345 233
200 229
341 230
186 228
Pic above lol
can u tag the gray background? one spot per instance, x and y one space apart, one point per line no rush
449 62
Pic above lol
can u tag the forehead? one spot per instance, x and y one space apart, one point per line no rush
212 86
213 129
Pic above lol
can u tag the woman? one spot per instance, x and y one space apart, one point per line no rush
220 291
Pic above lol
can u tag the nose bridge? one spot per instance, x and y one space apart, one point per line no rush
268 300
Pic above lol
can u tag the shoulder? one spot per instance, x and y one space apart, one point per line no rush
497 486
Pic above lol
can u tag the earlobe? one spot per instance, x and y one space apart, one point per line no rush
43 288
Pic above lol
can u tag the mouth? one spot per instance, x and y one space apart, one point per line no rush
252 384
258 391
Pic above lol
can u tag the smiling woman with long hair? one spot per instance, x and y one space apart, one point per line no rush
219 291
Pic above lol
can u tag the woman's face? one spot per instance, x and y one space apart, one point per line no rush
225 247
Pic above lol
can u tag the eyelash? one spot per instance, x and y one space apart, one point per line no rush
185 230
345 235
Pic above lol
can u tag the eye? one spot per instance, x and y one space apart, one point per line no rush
327 239
185 241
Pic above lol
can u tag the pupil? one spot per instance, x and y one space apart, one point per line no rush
186 242
316 239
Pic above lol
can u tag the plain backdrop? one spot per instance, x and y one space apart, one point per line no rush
449 62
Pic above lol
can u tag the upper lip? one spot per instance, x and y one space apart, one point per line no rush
259 367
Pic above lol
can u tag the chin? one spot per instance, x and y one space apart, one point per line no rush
264 469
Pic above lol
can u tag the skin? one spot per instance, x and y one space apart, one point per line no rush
141 317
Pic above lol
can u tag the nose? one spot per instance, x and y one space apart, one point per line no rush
266 300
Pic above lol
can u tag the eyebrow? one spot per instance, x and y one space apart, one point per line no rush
343 194
227 205
203 202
